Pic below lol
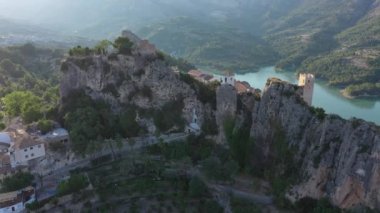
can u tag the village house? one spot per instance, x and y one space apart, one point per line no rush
243 87
200 76
16 201
24 148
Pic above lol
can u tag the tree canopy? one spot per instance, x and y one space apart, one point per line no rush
123 45
17 182
24 104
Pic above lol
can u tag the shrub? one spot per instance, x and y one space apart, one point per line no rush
240 205
315 206
74 184
57 147
45 126
17 182
170 115
197 188
123 45
319 112
240 142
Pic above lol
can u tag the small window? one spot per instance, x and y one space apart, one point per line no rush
26 156
25 150
13 209
32 155
31 147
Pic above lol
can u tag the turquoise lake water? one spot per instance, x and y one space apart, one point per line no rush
324 96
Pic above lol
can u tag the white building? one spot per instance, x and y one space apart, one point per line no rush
306 81
228 78
24 148
13 202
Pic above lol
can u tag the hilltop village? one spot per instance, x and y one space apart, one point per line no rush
138 131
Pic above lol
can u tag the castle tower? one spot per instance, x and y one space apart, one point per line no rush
228 78
306 81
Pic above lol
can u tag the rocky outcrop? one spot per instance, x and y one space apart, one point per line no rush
339 159
139 79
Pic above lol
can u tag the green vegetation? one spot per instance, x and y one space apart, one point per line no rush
213 45
73 185
197 187
24 104
280 169
80 51
239 141
28 83
336 40
183 65
206 92
315 206
89 122
195 148
319 112
45 126
215 169
16 182
169 116
363 90
128 125
152 183
102 47
123 45
241 206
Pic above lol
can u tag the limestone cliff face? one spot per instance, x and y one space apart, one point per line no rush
339 159
120 80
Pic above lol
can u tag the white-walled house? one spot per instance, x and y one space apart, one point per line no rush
24 148
16 201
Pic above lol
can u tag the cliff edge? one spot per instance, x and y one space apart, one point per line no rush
335 158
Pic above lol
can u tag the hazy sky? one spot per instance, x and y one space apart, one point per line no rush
73 16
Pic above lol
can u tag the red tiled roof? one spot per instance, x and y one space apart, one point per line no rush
241 87
195 73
